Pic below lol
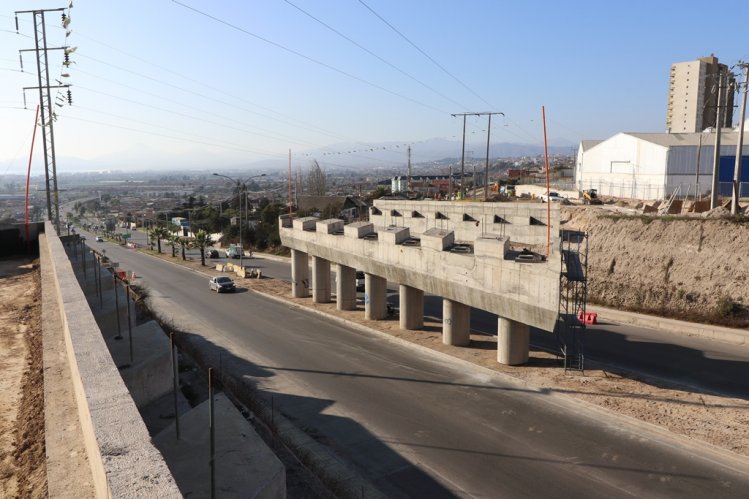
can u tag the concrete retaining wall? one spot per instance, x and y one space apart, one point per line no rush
124 462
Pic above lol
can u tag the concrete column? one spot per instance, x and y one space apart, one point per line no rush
456 323
411 307
320 280
299 274
513 342
375 297
345 287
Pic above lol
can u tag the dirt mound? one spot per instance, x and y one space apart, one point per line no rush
691 268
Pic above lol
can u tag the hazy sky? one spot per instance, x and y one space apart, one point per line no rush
159 83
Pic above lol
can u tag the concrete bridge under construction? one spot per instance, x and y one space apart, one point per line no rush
509 259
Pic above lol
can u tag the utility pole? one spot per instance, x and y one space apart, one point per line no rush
716 151
45 103
463 153
410 187
462 160
739 144
486 167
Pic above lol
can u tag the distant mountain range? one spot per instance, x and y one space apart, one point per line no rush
387 154
342 156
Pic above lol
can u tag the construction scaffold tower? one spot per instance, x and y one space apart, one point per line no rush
47 113
573 296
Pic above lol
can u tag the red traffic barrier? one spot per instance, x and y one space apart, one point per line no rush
589 318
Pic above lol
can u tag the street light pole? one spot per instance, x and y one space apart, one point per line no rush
241 221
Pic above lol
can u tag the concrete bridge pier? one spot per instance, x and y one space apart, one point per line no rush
345 287
299 274
513 342
320 280
456 323
411 307
375 297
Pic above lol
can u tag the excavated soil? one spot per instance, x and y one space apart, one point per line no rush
692 267
22 452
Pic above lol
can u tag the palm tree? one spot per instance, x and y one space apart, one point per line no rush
159 233
184 243
174 241
202 240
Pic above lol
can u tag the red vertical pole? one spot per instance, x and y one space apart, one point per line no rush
28 173
548 201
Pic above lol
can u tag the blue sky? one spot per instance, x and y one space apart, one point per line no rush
156 84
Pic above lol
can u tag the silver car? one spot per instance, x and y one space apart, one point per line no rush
221 284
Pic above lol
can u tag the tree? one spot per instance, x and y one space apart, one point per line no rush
159 233
316 180
174 241
202 241
183 243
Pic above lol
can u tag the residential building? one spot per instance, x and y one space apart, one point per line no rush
692 96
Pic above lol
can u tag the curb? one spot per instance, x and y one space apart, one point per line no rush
737 337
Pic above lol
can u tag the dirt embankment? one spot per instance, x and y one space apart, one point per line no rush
694 268
22 452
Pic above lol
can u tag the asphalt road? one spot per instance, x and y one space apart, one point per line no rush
698 363
420 426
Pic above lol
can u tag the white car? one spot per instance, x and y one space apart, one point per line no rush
553 197
99 239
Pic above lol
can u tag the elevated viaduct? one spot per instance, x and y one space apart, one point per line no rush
506 258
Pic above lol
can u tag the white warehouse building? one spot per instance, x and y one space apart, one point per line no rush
655 165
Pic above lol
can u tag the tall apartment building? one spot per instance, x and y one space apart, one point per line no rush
692 96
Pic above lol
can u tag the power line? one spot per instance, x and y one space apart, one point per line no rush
374 55
308 58
292 121
424 53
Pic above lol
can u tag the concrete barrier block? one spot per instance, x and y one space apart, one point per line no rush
437 239
393 235
305 223
358 230
329 226
496 247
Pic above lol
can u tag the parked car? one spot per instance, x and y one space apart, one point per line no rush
221 284
99 239
360 281
553 197
211 253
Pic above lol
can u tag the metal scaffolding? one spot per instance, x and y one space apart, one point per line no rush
573 296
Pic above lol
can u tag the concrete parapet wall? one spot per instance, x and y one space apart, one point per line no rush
124 462
521 222
524 292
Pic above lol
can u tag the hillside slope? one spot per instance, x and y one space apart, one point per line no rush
694 268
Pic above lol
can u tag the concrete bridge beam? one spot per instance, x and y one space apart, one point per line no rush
375 297
456 323
320 280
345 287
411 307
513 342
299 274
